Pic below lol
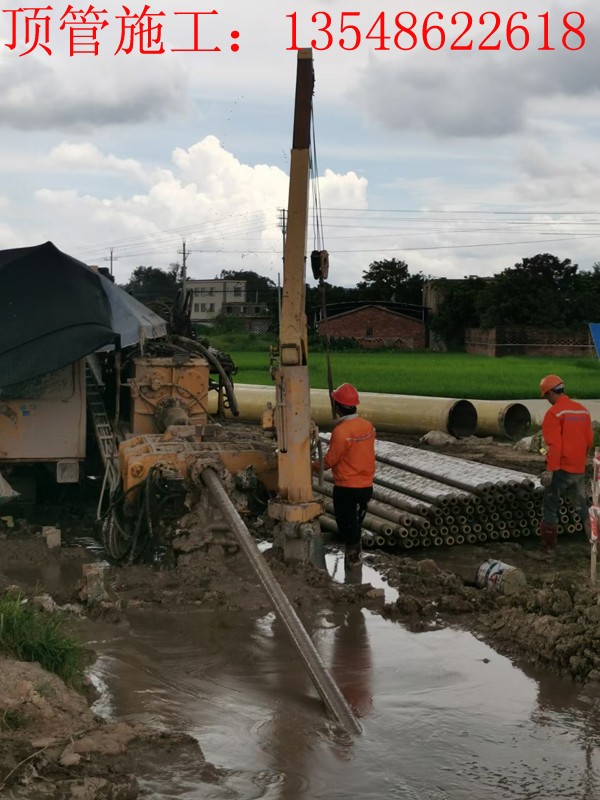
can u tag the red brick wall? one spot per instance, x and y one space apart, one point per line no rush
527 342
376 327
481 341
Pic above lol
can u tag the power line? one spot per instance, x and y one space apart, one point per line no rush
253 227
456 211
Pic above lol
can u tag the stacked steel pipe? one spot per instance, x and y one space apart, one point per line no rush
427 499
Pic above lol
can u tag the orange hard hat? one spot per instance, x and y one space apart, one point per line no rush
550 382
346 395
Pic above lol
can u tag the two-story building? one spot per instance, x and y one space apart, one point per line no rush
217 297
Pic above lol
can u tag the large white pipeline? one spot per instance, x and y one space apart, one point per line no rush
388 412
502 418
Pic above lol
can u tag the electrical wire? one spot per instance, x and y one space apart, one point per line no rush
251 229
319 242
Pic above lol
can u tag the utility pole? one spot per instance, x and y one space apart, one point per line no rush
184 253
111 258
282 223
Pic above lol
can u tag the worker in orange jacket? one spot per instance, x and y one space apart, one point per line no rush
567 431
351 458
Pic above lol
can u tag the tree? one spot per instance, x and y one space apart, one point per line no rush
539 291
154 283
458 312
334 295
390 279
258 288
587 299
255 283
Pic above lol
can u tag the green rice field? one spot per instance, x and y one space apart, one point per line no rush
435 374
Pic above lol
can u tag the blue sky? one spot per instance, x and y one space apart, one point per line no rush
457 162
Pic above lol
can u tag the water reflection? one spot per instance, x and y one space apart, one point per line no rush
560 699
352 662
363 574
444 716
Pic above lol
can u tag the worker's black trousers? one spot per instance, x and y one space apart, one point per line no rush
350 507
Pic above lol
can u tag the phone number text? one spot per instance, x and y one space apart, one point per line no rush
462 30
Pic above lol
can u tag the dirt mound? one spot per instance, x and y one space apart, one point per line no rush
552 623
52 745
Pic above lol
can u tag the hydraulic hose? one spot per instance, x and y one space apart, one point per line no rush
190 344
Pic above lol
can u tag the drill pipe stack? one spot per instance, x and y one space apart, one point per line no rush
426 499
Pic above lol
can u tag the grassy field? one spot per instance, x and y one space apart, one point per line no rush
434 374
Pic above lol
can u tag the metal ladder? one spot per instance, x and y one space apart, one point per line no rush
103 430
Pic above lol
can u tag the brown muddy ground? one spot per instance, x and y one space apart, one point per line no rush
54 747
553 623
51 745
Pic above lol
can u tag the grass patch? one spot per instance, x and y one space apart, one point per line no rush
30 635
238 341
12 720
434 374
45 689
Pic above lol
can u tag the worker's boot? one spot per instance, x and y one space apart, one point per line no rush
353 556
549 536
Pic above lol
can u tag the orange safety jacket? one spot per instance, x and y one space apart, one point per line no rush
567 430
351 453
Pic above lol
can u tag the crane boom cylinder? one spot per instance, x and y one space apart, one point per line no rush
295 502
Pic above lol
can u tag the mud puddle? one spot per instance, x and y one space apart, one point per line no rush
54 578
444 715
366 574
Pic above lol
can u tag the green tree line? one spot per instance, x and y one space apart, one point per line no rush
541 291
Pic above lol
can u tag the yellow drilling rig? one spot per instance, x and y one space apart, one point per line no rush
171 439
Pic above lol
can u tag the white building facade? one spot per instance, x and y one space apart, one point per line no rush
215 297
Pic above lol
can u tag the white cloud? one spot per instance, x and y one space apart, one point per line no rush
138 153
481 94
226 211
56 94
86 157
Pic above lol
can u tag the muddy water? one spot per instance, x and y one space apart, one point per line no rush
444 716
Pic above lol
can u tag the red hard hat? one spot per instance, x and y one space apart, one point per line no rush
550 382
346 395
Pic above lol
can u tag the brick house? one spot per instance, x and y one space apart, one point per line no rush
374 326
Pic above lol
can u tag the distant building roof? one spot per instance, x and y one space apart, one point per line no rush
403 309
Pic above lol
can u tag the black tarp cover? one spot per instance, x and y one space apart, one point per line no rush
53 311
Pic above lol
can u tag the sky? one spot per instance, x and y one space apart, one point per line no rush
457 161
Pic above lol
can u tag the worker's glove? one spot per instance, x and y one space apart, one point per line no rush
546 478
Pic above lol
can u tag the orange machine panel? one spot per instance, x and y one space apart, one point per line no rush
138 454
43 419
159 381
